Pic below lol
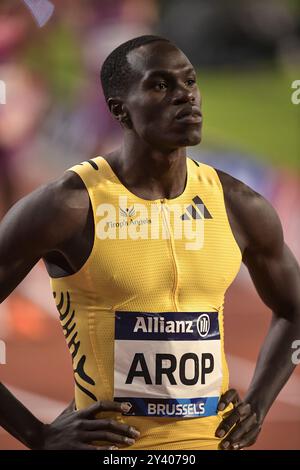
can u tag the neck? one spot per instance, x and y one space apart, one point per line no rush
150 173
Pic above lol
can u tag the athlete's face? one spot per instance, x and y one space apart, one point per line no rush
164 102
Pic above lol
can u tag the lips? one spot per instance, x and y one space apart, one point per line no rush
190 114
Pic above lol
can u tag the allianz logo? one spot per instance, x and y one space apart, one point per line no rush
161 325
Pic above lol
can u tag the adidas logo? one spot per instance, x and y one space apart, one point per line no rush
198 212
92 163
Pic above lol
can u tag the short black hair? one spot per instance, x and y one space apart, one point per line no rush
116 72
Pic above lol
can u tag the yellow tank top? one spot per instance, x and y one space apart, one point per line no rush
143 317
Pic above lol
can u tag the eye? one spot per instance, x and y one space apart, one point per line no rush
191 82
160 86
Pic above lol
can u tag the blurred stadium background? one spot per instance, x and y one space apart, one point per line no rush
247 54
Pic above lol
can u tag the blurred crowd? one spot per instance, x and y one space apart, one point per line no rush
55 114
235 32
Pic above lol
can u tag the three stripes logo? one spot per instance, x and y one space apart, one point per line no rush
196 211
92 163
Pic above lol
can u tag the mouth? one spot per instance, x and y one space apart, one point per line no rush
189 116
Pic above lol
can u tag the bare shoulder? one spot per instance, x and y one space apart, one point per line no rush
71 192
255 216
49 215
70 203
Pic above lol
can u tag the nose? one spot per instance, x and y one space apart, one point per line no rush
183 95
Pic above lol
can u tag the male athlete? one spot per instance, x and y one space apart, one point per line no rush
140 246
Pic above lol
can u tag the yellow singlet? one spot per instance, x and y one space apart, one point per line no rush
143 317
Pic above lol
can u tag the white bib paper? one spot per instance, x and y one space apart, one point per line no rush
168 364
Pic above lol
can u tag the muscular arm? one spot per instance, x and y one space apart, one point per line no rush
276 276
49 221
37 225
18 421
32 228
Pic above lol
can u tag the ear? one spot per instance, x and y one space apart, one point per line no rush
119 111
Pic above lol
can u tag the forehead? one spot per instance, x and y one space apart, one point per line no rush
158 55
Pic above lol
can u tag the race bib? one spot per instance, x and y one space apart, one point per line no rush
168 364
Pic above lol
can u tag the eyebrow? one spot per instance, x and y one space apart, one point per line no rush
164 72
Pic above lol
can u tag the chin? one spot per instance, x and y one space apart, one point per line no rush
190 140
196 141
